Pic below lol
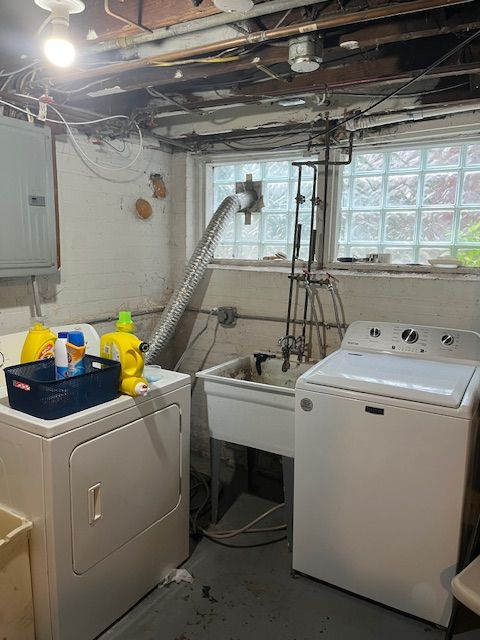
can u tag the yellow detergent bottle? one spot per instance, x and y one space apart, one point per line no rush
39 344
124 347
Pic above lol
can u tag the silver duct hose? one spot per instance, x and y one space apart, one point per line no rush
195 270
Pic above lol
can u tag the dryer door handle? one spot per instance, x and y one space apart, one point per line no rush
94 499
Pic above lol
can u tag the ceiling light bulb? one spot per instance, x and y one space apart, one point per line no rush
58 48
59 52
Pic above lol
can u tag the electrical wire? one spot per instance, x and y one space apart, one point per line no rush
410 82
80 89
403 95
248 546
222 535
311 138
76 144
5 74
200 509
210 60
191 344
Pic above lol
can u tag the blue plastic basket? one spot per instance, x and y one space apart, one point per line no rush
32 387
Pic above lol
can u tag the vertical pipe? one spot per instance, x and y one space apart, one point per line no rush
292 270
311 248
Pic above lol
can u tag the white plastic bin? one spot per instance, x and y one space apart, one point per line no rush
16 604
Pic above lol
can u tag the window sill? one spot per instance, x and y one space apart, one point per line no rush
353 269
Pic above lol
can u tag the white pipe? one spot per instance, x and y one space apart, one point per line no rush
200 24
400 117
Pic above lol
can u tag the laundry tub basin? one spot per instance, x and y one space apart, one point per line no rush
251 409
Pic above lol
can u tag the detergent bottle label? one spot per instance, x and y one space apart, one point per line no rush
61 373
46 351
115 353
76 365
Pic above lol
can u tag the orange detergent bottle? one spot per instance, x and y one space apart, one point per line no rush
38 344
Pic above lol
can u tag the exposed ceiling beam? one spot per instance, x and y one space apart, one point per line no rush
155 15
169 79
412 28
323 23
385 71
188 25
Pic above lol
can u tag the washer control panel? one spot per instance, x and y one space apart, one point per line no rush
431 342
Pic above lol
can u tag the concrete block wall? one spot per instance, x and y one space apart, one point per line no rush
111 259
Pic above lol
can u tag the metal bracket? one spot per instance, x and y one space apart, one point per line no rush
251 185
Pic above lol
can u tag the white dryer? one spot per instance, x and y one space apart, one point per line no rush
385 430
107 490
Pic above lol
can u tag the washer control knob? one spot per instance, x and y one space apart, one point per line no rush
410 336
375 332
448 339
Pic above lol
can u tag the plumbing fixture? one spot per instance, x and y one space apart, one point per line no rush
289 343
260 358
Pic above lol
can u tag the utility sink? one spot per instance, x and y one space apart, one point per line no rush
252 409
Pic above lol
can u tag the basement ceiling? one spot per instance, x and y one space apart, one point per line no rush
185 68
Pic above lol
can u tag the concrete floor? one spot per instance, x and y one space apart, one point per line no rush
249 594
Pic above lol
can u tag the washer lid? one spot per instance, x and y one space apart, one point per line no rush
439 383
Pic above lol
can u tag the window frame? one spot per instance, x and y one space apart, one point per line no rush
326 230
334 209
205 167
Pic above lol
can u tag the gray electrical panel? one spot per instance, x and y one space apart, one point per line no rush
28 226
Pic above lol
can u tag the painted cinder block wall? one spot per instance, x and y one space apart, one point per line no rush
111 259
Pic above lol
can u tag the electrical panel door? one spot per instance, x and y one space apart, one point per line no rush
28 229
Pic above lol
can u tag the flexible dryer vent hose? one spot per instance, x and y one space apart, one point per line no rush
195 270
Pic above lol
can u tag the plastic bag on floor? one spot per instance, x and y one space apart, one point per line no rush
177 576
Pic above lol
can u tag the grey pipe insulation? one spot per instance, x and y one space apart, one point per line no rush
195 270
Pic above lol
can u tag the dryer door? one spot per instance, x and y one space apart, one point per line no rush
123 482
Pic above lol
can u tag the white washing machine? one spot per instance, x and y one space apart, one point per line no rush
385 431
107 490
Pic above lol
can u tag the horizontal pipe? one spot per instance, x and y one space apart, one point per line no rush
369 122
328 22
200 24
246 316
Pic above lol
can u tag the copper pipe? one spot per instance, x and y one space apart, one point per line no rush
328 22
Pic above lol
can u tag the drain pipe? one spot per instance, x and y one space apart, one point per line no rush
201 24
400 117
195 270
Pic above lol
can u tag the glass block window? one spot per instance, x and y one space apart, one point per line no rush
270 231
415 203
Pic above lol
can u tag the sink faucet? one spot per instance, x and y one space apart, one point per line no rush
260 358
